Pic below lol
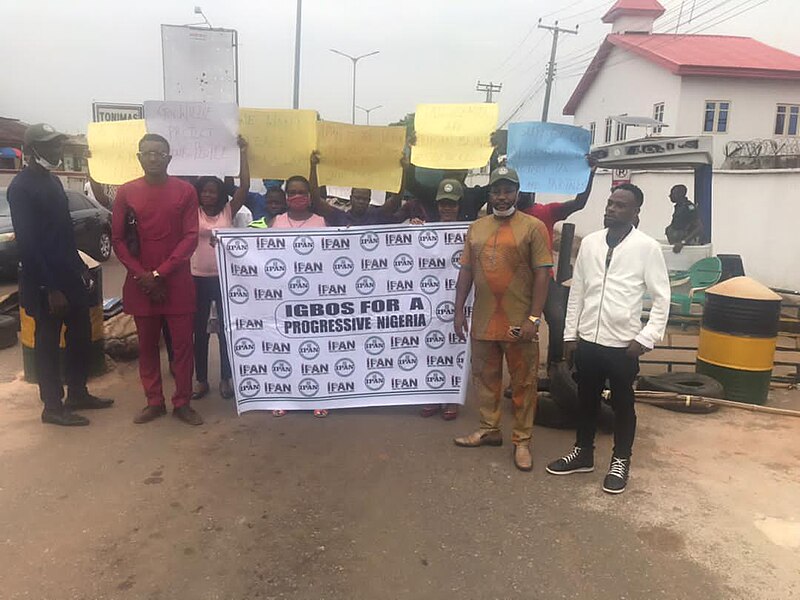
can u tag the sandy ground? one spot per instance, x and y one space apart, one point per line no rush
378 503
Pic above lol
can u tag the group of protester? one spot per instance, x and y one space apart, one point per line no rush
162 234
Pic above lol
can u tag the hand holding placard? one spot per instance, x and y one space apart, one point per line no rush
453 136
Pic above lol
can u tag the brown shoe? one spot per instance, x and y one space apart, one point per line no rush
149 413
188 415
522 457
480 438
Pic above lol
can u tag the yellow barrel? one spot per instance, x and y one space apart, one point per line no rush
97 362
738 338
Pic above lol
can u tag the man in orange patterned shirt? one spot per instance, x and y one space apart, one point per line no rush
507 256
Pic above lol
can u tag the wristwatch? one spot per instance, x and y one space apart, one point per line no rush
535 320
156 274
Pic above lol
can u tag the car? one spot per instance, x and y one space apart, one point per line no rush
90 221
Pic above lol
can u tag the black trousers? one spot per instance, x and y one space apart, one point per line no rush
555 313
47 354
595 365
208 290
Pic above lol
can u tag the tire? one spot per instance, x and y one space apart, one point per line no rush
691 384
564 393
549 414
8 331
102 250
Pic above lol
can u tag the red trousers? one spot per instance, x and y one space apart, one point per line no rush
181 328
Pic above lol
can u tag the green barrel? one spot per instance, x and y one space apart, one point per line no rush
97 360
738 337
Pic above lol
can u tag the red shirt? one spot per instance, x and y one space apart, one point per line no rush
549 214
167 224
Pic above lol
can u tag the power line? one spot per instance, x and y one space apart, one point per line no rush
490 89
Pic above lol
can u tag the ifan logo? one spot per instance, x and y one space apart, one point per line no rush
309 350
455 260
249 387
365 285
281 369
343 266
374 381
407 361
344 367
308 387
434 339
237 247
460 359
428 239
303 245
374 345
244 347
446 311
369 241
435 380
429 284
298 285
275 268
403 263
238 294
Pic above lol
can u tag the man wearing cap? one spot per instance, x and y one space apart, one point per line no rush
507 257
54 281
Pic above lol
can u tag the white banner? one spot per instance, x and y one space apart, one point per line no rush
338 318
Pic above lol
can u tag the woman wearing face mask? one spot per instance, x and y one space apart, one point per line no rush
298 216
215 212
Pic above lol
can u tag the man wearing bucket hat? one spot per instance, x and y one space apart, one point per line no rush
54 283
507 256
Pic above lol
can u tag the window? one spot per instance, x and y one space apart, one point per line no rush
786 119
622 131
658 115
609 129
716 116
592 132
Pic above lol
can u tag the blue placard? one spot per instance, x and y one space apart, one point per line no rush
549 157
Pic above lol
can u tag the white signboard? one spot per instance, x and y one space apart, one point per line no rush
337 318
103 112
201 135
200 64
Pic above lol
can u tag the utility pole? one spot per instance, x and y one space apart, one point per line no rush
551 66
298 26
369 110
490 88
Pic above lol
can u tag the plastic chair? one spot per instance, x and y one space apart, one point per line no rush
702 275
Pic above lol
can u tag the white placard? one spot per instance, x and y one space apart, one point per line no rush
339 318
199 64
202 135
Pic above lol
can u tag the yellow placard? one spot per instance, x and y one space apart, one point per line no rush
280 141
360 156
113 146
453 136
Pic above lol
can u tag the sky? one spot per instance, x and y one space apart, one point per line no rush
61 56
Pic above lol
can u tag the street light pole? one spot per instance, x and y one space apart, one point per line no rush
369 110
355 60
298 26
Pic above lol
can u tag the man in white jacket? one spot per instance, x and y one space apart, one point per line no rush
604 333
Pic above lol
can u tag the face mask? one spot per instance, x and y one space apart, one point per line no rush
504 213
44 163
298 202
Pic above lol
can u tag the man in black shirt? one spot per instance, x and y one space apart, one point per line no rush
54 282
685 227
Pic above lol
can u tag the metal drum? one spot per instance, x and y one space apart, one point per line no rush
97 361
738 338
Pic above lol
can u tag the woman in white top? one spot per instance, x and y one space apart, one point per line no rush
298 216
215 212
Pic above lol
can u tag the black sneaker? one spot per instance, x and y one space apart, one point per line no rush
617 478
63 417
86 401
580 460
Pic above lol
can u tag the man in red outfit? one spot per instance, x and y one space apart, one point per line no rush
154 233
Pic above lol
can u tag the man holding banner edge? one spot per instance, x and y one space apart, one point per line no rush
507 257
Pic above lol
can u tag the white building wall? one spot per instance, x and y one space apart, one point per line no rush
628 84
754 215
752 110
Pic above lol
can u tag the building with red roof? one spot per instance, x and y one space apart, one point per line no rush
736 89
